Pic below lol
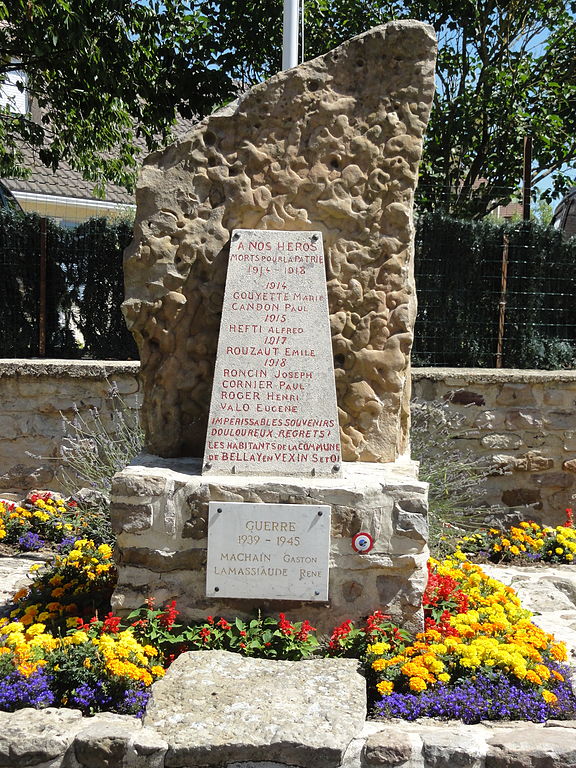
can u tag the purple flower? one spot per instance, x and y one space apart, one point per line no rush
494 697
66 544
30 542
134 702
17 691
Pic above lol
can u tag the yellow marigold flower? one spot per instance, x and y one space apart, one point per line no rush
58 592
159 671
557 675
87 663
532 677
514 550
149 650
559 550
385 687
14 626
549 697
558 651
35 567
79 637
379 664
378 648
444 677
35 629
417 684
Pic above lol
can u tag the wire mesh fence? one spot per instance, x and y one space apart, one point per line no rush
61 288
489 293
494 294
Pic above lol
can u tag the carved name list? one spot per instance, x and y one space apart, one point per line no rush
273 408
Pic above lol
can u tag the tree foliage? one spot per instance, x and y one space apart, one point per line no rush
103 77
505 70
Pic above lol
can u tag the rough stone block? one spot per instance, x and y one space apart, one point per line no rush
387 749
515 394
531 748
113 745
521 497
524 418
384 500
211 718
561 419
501 441
553 480
131 517
350 127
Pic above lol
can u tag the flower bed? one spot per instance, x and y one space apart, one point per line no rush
527 542
479 658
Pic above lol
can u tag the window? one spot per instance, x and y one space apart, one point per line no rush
11 96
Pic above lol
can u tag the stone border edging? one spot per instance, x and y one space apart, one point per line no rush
62 738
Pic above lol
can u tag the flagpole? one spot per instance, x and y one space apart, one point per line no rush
290 42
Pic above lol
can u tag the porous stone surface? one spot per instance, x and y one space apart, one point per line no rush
216 708
522 425
160 515
331 145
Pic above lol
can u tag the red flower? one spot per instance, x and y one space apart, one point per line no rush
168 616
304 631
339 633
223 624
285 626
210 619
242 633
205 634
111 623
569 518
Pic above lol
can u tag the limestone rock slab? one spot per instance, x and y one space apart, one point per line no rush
216 708
331 145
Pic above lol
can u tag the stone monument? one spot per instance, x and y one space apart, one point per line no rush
242 501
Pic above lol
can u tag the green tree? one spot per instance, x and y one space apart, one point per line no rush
505 70
102 75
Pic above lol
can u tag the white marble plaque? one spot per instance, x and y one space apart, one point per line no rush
273 409
268 551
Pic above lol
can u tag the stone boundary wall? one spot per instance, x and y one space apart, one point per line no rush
523 422
36 396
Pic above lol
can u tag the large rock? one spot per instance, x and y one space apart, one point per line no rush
331 145
217 708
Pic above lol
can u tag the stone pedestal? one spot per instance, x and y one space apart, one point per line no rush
160 514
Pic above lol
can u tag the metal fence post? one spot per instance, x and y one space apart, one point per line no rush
502 302
42 297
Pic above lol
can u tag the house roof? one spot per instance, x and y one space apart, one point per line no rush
67 182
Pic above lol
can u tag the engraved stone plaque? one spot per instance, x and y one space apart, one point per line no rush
268 551
273 409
